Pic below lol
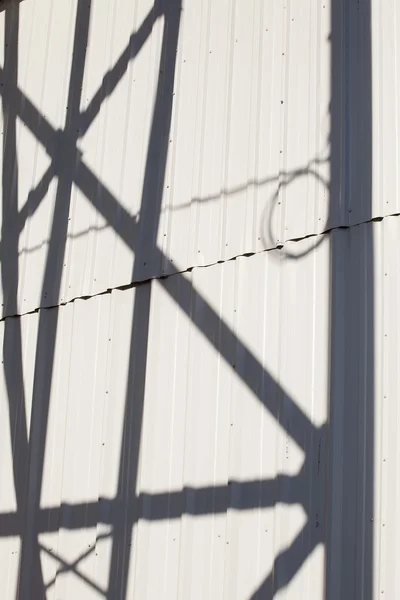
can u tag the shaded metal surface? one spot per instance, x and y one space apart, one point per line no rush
249 144
233 450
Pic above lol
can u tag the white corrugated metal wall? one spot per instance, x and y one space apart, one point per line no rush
200 283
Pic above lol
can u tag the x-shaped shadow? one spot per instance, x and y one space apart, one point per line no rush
68 166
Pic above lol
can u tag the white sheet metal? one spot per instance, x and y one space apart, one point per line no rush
235 457
248 146
228 432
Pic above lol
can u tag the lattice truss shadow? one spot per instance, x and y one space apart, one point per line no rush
68 166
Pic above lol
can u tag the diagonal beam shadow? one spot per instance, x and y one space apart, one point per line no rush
57 224
66 566
115 74
73 566
40 439
217 317
86 118
299 427
299 417
126 228
110 82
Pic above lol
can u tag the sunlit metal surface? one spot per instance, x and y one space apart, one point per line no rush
174 423
248 163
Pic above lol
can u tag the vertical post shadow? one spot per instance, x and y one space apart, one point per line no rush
30 576
349 551
12 341
152 193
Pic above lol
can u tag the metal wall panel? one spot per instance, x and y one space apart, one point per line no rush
232 158
236 460
224 427
238 67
